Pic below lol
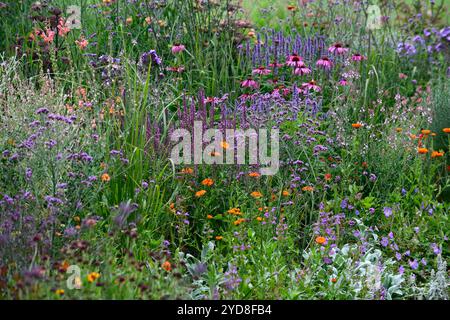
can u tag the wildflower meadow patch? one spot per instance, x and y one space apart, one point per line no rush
224 150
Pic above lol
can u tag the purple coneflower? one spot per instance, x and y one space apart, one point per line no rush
325 63
295 61
261 71
250 83
177 48
300 71
358 57
338 48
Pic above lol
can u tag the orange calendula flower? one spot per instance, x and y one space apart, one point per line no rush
425 131
256 194
254 174
209 216
218 238
327 176
334 280
308 188
422 150
286 193
105 177
436 154
187 171
398 130
200 193
235 211
259 218
321 240
446 130
224 144
93 276
238 221
356 125
208 182
167 266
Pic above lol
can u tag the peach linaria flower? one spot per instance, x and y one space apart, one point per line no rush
321 240
208 182
105 177
256 194
356 125
446 130
200 193
148 20
167 266
81 43
422 150
48 36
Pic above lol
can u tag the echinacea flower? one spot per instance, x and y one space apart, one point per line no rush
177 48
261 71
295 61
325 63
337 48
250 83
311 85
358 57
300 71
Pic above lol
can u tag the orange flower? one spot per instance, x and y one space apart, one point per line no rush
259 218
129 20
93 276
321 240
327 176
218 238
60 292
209 216
254 174
291 8
422 150
214 154
235 211
238 221
224 144
308 188
105 177
398 130
334 280
446 130
356 125
425 131
167 266
187 170
208 182
200 193
286 193
256 194
436 154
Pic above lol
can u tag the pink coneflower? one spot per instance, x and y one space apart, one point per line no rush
82 43
338 48
295 61
325 63
63 29
276 64
358 57
177 48
300 71
250 83
261 70
312 85
48 36
343 82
